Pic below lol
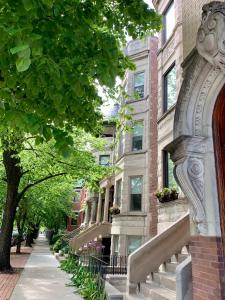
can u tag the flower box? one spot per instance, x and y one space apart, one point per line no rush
167 195
114 210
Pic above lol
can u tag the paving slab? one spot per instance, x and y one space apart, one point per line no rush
42 278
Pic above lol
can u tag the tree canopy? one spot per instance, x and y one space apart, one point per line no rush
54 53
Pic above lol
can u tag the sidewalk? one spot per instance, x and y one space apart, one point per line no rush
8 281
42 279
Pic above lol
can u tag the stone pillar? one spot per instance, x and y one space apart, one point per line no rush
93 211
87 214
99 209
122 245
106 207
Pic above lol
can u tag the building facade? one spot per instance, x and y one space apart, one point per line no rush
132 186
190 137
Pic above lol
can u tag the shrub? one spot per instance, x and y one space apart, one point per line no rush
88 285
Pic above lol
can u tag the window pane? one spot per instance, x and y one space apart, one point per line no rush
170 88
137 143
169 21
135 203
139 84
134 242
104 160
136 185
171 179
118 192
137 139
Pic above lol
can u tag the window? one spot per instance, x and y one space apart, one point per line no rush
168 22
139 80
134 242
168 166
137 139
118 192
104 160
136 193
170 88
74 221
76 198
115 245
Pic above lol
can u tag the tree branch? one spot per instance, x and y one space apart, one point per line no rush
21 194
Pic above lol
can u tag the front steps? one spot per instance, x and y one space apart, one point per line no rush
161 285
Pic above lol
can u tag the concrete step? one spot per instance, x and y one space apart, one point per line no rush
154 292
171 267
162 294
165 280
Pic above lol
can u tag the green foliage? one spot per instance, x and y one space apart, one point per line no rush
54 54
167 194
59 245
87 284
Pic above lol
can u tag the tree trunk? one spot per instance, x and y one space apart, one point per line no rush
20 226
13 174
29 240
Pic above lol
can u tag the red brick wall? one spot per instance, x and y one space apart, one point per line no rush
208 268
153 151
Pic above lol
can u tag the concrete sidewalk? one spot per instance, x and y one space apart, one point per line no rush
42 279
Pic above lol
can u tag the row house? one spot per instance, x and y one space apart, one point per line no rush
176 248
129 190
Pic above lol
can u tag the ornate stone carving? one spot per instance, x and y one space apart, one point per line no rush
190 175
211 34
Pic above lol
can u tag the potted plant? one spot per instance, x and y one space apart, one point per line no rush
167 194
174 194
114 210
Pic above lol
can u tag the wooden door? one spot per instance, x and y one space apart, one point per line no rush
219 148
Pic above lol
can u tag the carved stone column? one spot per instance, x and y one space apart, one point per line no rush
93 211
106 206
188 155
87 214
99 209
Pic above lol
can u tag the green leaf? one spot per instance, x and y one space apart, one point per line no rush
23 64
19 48
48 3
28 4
47 133
37 49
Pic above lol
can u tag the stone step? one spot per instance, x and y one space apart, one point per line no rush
171 267
165 279
162 294
154 292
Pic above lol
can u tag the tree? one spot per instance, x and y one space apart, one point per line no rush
54 53
38 165
46 205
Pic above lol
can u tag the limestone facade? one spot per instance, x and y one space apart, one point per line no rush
133 154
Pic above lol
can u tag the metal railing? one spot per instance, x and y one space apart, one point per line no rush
103 265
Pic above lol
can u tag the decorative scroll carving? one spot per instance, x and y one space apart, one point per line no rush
190 175
211 34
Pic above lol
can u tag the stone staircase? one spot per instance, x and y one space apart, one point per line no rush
96 231
161 285
161 268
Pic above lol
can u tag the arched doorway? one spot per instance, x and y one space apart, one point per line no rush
218 122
